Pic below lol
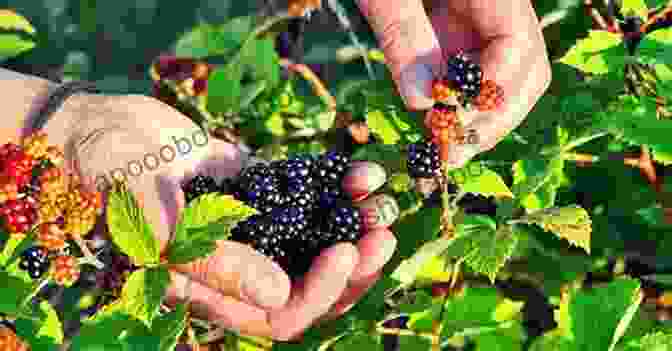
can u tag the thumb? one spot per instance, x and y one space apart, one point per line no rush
410 45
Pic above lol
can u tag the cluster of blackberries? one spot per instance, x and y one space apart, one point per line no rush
302 207
465 74
423 160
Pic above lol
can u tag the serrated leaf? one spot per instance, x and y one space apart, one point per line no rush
420 301
552 341
129 228
504 339
486 183
408 270
571 223
224 89
507 310
536 181
656 47
600 53
13 291
488 250
44 332
596 314
473 309
214 40
635 7
142 294
627 318
634 119
390 156
206 220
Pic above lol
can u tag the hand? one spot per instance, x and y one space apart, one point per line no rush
512 52
236 286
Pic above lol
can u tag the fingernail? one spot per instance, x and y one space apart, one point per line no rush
363 178
415 84
264 291
379 211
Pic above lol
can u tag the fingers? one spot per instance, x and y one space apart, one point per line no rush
513 54
375 249
409 43
209 304
355 291
239 271
323 285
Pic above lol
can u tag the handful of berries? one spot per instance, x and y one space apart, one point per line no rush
36 196
305 205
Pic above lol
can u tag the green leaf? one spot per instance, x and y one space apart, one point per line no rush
552 341
487 250
635 8
536 181
169 327
10 20
224 89
414 342
129 228
102 331
600 315
484 182
634 119
571 223
263 61
357 341
408 270
505 339
13 291
206 220
654 341
43 333
214 40
142 294
656 47
380 123
12 45
471 310
600 53
420 301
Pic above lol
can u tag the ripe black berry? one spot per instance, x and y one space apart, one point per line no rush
345 222
258 186
331 167
199 185
297 181
423 160
35 261
466 74
289 221
475 204
329 194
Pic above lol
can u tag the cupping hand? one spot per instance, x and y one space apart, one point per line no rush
236 287
506 36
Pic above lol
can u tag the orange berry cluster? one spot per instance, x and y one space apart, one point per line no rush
37 195
9 341
445 128
490 98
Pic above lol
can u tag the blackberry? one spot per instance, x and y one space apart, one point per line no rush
289 222
423 160
297 181
329 194
331 167
199 185
475 204
345 222
254 226
35 261
259 187
305 247
465 74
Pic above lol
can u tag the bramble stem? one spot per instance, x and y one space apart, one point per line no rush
318 86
